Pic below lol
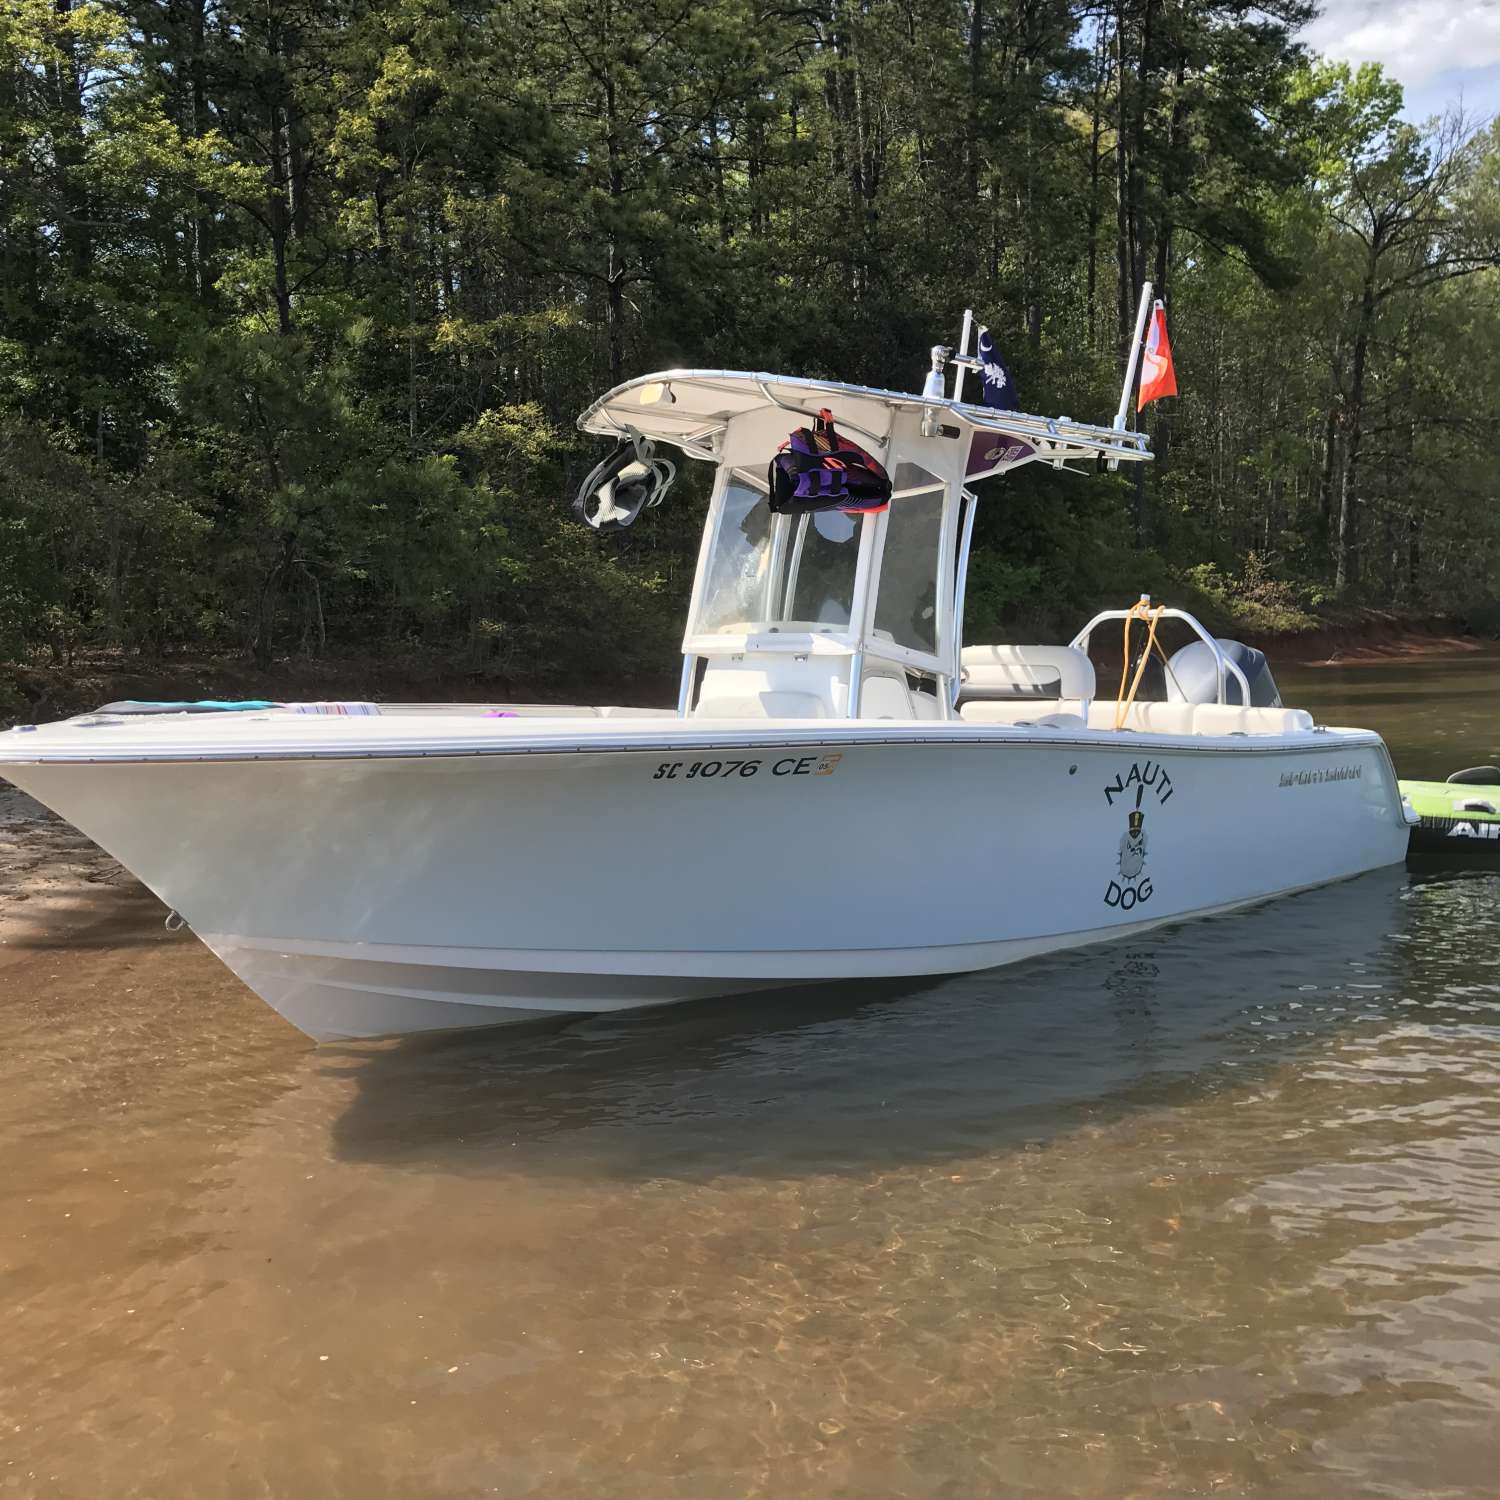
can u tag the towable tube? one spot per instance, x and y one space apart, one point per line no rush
1459 819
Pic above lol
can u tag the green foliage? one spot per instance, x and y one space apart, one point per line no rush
90 554
298 302
1255 600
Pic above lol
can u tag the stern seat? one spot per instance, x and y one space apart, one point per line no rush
1054 686
1146 718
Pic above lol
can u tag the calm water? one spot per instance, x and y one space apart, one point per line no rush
1213 1212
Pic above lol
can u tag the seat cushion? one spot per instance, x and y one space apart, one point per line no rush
1021 711
1225 718
1145 718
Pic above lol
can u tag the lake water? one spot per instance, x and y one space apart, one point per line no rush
1216 1211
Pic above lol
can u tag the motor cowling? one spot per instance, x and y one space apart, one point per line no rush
1193 675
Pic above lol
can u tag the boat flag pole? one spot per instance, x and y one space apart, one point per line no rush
1133 363
963 350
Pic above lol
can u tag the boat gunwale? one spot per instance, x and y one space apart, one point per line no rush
845 734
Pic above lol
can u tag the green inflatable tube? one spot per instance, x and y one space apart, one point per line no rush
1460 818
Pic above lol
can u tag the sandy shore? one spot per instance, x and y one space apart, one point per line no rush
50 874
1320 652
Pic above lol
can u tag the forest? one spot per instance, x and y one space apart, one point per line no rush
299 300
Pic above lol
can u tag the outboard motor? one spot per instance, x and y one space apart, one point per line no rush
1193 675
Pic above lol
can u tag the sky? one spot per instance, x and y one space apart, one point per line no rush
1438 49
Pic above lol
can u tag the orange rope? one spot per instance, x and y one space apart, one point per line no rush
1123 700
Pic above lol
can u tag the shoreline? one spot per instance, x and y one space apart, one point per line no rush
1370 642
1437 648
34 693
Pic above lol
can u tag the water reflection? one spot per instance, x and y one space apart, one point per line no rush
1437 716
852 1078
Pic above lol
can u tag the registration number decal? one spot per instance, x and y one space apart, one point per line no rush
725 770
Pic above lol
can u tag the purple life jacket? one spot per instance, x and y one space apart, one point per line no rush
816 469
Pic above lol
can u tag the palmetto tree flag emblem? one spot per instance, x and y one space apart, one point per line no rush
1158 377
994 375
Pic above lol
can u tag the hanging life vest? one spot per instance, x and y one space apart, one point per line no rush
816 469
630 480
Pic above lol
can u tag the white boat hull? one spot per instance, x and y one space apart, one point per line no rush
395 893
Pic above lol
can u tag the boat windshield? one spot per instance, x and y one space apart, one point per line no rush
767 571
906 600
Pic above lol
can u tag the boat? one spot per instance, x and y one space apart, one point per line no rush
844 789
1458 819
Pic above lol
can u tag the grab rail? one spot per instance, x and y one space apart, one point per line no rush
1221 662
970 503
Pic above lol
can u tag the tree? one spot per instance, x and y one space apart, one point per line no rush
1415 209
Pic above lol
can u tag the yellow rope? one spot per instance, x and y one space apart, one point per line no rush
1140 610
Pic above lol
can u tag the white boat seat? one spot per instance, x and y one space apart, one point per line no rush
1228 718
1143 718
1020 710
999 672
1201 718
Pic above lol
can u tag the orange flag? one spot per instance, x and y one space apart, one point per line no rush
1158 378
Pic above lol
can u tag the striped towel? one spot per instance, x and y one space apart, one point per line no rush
349 710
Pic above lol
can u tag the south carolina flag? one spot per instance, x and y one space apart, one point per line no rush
994 375
1157 375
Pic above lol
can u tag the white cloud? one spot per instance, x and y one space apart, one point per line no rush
1415 40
